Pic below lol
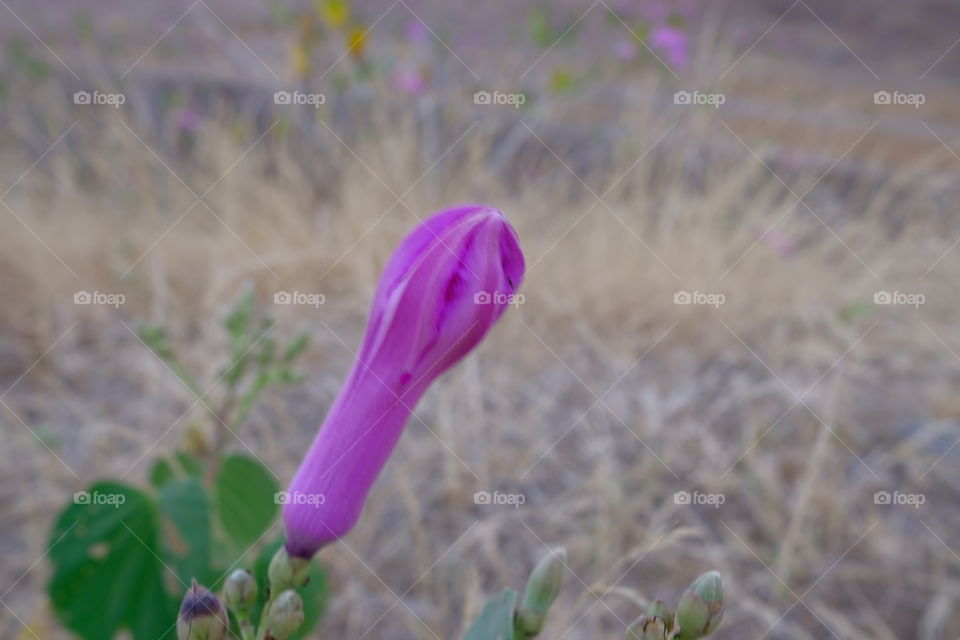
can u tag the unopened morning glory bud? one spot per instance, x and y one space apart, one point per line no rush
442 290
648 628
285 615
201 616
659 609
543 587
286 572
240 591
701 607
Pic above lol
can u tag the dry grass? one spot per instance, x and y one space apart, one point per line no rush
597 399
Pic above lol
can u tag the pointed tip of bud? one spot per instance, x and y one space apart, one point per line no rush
709 586
240 591
701 607
285 615
648 628
659 609
201 615
543 587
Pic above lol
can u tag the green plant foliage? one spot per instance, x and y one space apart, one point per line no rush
245 499
107 572
496 620
185 518
123 557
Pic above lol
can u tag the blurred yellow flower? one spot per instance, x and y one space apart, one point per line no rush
357 40
335 13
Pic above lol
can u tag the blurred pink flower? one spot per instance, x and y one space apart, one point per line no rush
409 81
781 242
442 290
188 119
672 44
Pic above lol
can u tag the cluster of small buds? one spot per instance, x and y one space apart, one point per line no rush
203 617
698 614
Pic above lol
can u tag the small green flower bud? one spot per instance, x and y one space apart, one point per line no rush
285 616
543 587
201 616
648 628
240 591
701 607
659 609
286 572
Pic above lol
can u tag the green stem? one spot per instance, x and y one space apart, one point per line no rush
246 630
264 617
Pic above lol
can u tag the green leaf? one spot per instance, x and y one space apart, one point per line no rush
107 574
185 513
161 473
315 594
245 499
496 620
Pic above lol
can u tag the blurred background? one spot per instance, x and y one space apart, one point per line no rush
737 346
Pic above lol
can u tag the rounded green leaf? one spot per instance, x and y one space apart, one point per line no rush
245 499
185 523
107 572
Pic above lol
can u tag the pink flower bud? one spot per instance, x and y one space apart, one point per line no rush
442 290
